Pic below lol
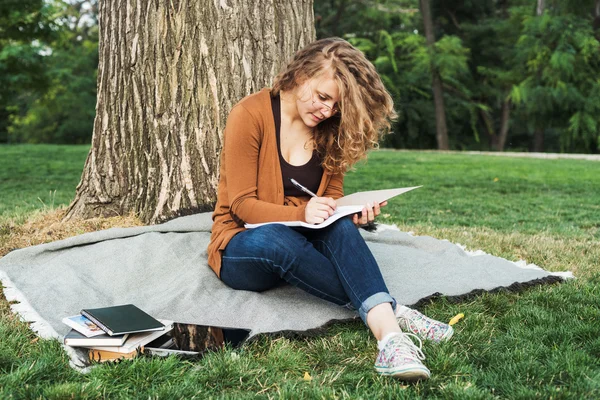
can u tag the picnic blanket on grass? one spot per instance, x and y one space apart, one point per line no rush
163 270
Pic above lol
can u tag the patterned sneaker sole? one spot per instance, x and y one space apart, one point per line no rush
447 335
410 373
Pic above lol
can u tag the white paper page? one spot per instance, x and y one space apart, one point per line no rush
341 211
362 198
138 339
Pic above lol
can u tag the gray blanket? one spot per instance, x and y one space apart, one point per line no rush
162 269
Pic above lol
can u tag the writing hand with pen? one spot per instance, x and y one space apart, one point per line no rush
319 209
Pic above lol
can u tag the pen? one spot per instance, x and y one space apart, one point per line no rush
299 186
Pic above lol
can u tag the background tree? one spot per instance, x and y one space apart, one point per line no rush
507 73
488 32
486 54
560 93
538 134
169 72
64 112
393 40
387 33
436 81
596 20
25 28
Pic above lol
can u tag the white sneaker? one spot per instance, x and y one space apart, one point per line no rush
424 327
401 358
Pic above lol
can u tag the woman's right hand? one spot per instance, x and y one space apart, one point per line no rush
319 209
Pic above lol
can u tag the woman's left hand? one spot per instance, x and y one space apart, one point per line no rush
368 214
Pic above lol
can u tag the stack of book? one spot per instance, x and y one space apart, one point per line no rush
113 333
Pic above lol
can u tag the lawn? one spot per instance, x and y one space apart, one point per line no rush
34 177
539 343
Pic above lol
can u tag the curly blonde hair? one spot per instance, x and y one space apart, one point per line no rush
366 107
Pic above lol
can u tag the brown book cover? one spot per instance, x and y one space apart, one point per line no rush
103 355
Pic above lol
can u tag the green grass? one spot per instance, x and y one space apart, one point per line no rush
540 343
36 177
504 194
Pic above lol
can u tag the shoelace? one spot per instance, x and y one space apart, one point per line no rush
410 321
406 343
407 319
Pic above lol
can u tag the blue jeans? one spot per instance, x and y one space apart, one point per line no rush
333 263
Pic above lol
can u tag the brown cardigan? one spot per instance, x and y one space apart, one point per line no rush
250 186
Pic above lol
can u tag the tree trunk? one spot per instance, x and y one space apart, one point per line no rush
436 82
596 20
489 128
541 6
538 140
538 134
168 74
499 140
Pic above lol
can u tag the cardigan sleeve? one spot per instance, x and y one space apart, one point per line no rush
335 188
242 147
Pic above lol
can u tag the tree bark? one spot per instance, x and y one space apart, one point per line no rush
596 20
436 82
489 128
538 134
168 74
538 140
541 6
499 140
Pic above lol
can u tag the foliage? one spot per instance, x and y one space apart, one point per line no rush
562 86
65 113
62 109
360 18
25 28
404 63
491 55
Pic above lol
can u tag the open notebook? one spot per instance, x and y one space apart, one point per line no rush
346 205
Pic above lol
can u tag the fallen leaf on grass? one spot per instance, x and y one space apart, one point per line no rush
456 318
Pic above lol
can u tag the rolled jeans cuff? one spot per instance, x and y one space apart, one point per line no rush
375 300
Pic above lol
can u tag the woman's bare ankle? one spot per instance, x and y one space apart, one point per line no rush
382 320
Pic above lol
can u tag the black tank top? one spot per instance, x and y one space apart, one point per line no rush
309 175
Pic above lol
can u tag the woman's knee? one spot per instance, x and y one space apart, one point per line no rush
273 244
274 232
267 237
247 274
344 226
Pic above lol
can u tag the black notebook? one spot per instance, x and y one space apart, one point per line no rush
118 320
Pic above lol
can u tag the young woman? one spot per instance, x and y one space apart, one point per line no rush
324 112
